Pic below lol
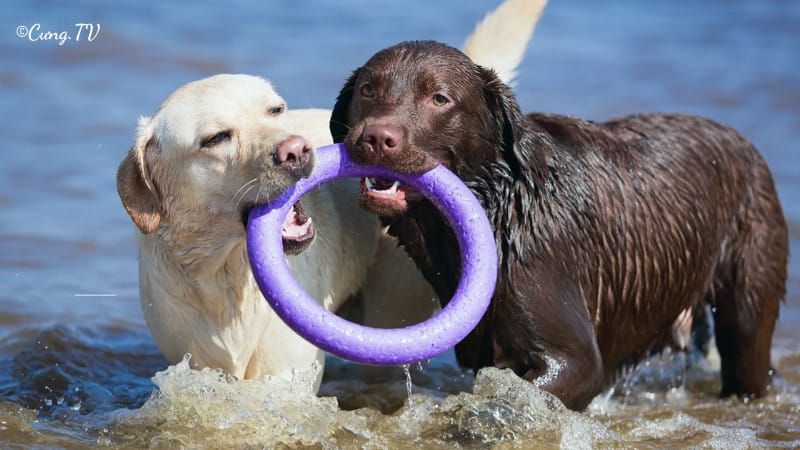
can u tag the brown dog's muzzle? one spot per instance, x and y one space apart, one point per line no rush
383 140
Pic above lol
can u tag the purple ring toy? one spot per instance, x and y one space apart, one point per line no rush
359 343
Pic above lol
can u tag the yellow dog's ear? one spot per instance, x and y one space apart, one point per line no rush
134 183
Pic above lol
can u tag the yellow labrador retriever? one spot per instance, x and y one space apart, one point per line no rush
220 145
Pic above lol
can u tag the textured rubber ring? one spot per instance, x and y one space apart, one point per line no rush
356 342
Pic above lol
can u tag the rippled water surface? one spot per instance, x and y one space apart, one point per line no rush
80 370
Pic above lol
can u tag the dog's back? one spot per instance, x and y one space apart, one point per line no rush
669 212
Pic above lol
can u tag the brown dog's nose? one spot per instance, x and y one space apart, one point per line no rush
295 155
384 139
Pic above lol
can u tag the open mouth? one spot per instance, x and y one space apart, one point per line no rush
298 230
387 197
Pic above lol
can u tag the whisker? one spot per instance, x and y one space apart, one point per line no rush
342 124
247 191
235 194
258 194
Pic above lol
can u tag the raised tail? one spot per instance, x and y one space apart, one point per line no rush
500 39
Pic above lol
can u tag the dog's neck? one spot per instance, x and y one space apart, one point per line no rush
202 241
213 261
210 260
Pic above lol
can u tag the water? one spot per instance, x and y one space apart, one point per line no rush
82 371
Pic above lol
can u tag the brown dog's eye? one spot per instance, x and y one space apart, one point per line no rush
367 90
218 138
277 110
440 100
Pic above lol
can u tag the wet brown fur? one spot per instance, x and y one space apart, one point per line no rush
605 231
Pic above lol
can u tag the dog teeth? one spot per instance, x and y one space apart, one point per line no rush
370 185
303 229
393 188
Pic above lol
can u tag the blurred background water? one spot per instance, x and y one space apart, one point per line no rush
76 370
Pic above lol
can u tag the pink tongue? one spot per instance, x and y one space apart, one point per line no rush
292 228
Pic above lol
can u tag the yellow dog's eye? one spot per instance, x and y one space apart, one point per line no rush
440 100
218 138
367 90
277 110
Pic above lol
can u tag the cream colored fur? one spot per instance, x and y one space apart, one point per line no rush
197 291
500 39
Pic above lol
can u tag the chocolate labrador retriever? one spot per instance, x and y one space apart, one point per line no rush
606 232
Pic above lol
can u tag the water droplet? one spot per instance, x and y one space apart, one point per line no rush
409 385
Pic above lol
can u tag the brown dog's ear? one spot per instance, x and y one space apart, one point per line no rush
338 124
134 183
508 119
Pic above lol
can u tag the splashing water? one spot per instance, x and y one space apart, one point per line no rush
210 409
451 408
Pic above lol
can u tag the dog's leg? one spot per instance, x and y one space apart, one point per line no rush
547 337
749 289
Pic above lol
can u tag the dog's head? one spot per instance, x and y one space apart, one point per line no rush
215 148
418 104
